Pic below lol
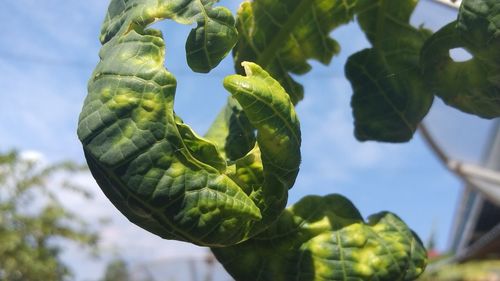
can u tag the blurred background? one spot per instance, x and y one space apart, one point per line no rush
442 183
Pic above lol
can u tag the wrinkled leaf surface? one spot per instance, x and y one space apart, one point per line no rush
325 238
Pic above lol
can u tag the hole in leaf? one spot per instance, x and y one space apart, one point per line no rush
460 55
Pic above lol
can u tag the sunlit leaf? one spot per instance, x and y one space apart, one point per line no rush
472 86
325 238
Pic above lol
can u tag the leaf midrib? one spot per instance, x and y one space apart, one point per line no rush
377 45
266 57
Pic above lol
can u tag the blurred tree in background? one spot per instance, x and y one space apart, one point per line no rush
482 270
33 222
117 270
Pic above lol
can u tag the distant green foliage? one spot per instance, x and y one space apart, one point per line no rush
116 270
485 270
32 220
228 190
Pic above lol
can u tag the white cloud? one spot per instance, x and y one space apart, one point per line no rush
32 156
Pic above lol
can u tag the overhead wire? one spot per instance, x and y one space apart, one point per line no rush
64 62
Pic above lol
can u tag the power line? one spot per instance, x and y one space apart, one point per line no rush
85 65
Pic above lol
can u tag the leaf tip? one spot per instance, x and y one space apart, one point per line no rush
248 67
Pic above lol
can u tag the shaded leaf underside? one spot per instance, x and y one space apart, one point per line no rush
390 98
472 86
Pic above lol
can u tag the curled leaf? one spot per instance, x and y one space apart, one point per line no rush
154 168
269 110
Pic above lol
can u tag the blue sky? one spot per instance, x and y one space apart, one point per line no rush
49 48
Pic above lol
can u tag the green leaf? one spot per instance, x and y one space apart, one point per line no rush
158 172
269 109
474 269
390 98
201 148
325 238
472 86
207 44
281 36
